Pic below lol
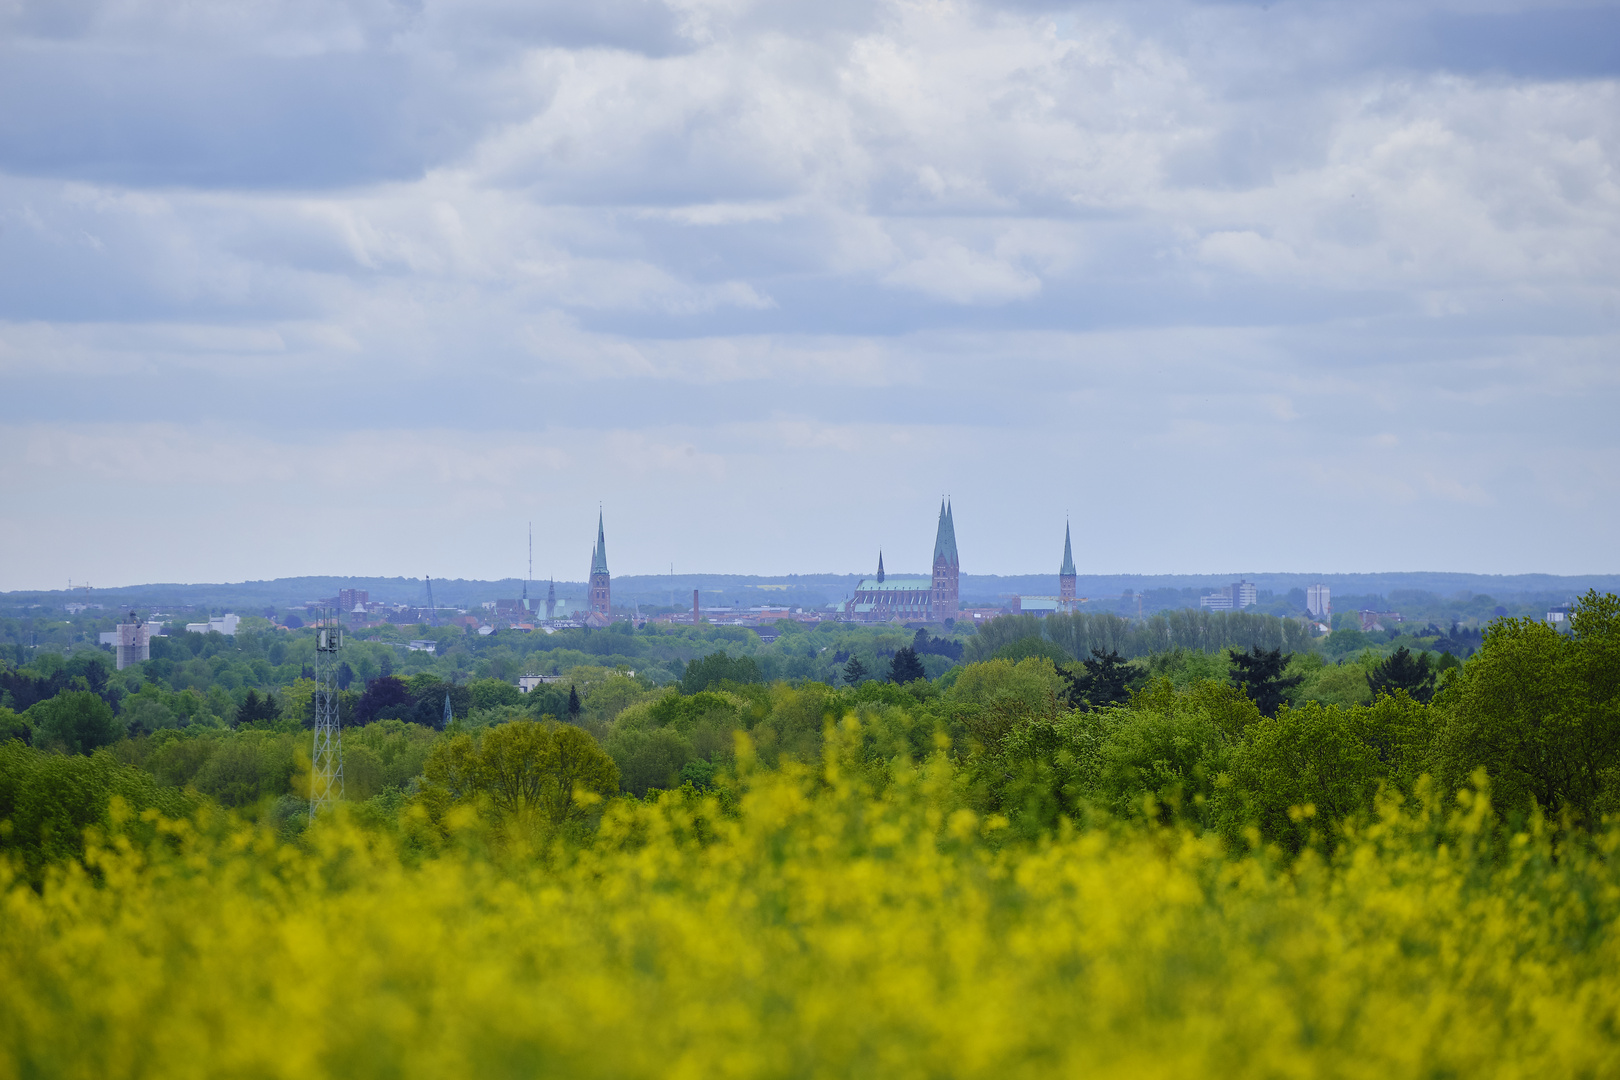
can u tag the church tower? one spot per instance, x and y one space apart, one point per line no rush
1066 571
551 599
947 568
601 589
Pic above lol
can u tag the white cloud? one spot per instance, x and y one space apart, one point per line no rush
806 251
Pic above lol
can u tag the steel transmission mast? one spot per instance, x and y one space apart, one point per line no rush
326 761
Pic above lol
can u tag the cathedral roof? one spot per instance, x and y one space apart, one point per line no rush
1068 554
945 539
896 584
599 556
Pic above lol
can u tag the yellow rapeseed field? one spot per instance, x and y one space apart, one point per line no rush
819 931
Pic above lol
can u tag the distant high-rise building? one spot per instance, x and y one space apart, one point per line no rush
1317 601
601 587
348 599
1066 574
1236 596
134 642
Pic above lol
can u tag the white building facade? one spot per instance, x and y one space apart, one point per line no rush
1318 601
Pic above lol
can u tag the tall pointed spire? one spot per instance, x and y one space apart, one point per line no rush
599 556
601 584
880 566
945 538
1066 579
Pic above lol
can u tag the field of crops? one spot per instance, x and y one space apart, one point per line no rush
814 927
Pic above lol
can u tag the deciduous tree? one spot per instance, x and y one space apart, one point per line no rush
76 721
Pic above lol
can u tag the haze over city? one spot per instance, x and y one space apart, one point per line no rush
363 288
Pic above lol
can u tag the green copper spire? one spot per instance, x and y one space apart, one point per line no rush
599 556
880 566
1068 554
945 539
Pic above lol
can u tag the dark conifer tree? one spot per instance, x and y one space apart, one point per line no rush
573 702
1105 680
247 712
855 671
1403 670
255 709
1259 674
905 667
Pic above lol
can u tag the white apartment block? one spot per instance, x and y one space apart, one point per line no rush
221 624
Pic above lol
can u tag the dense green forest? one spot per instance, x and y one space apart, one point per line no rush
1229 720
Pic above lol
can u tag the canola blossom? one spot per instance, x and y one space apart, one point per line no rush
816 928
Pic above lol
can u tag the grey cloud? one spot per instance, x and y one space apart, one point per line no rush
233 121
1539 42
931 242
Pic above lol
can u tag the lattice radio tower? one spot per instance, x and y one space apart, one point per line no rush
326 779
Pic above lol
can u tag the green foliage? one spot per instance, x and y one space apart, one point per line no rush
1343 683
1541 712
238 769
145 713
906 667
383 757
1032 645
76 721
48 800
1102 679
649 758
1038 743
1300 770
653 741
13 726
1187 667
1077 633
1402 670
995 696
1259 674
528 771
855 672
488 693
717 668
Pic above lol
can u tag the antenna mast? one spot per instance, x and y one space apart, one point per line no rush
433 612
326 761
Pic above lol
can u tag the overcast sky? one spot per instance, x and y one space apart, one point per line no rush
318 287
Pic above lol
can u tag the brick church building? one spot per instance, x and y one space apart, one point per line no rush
913 599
